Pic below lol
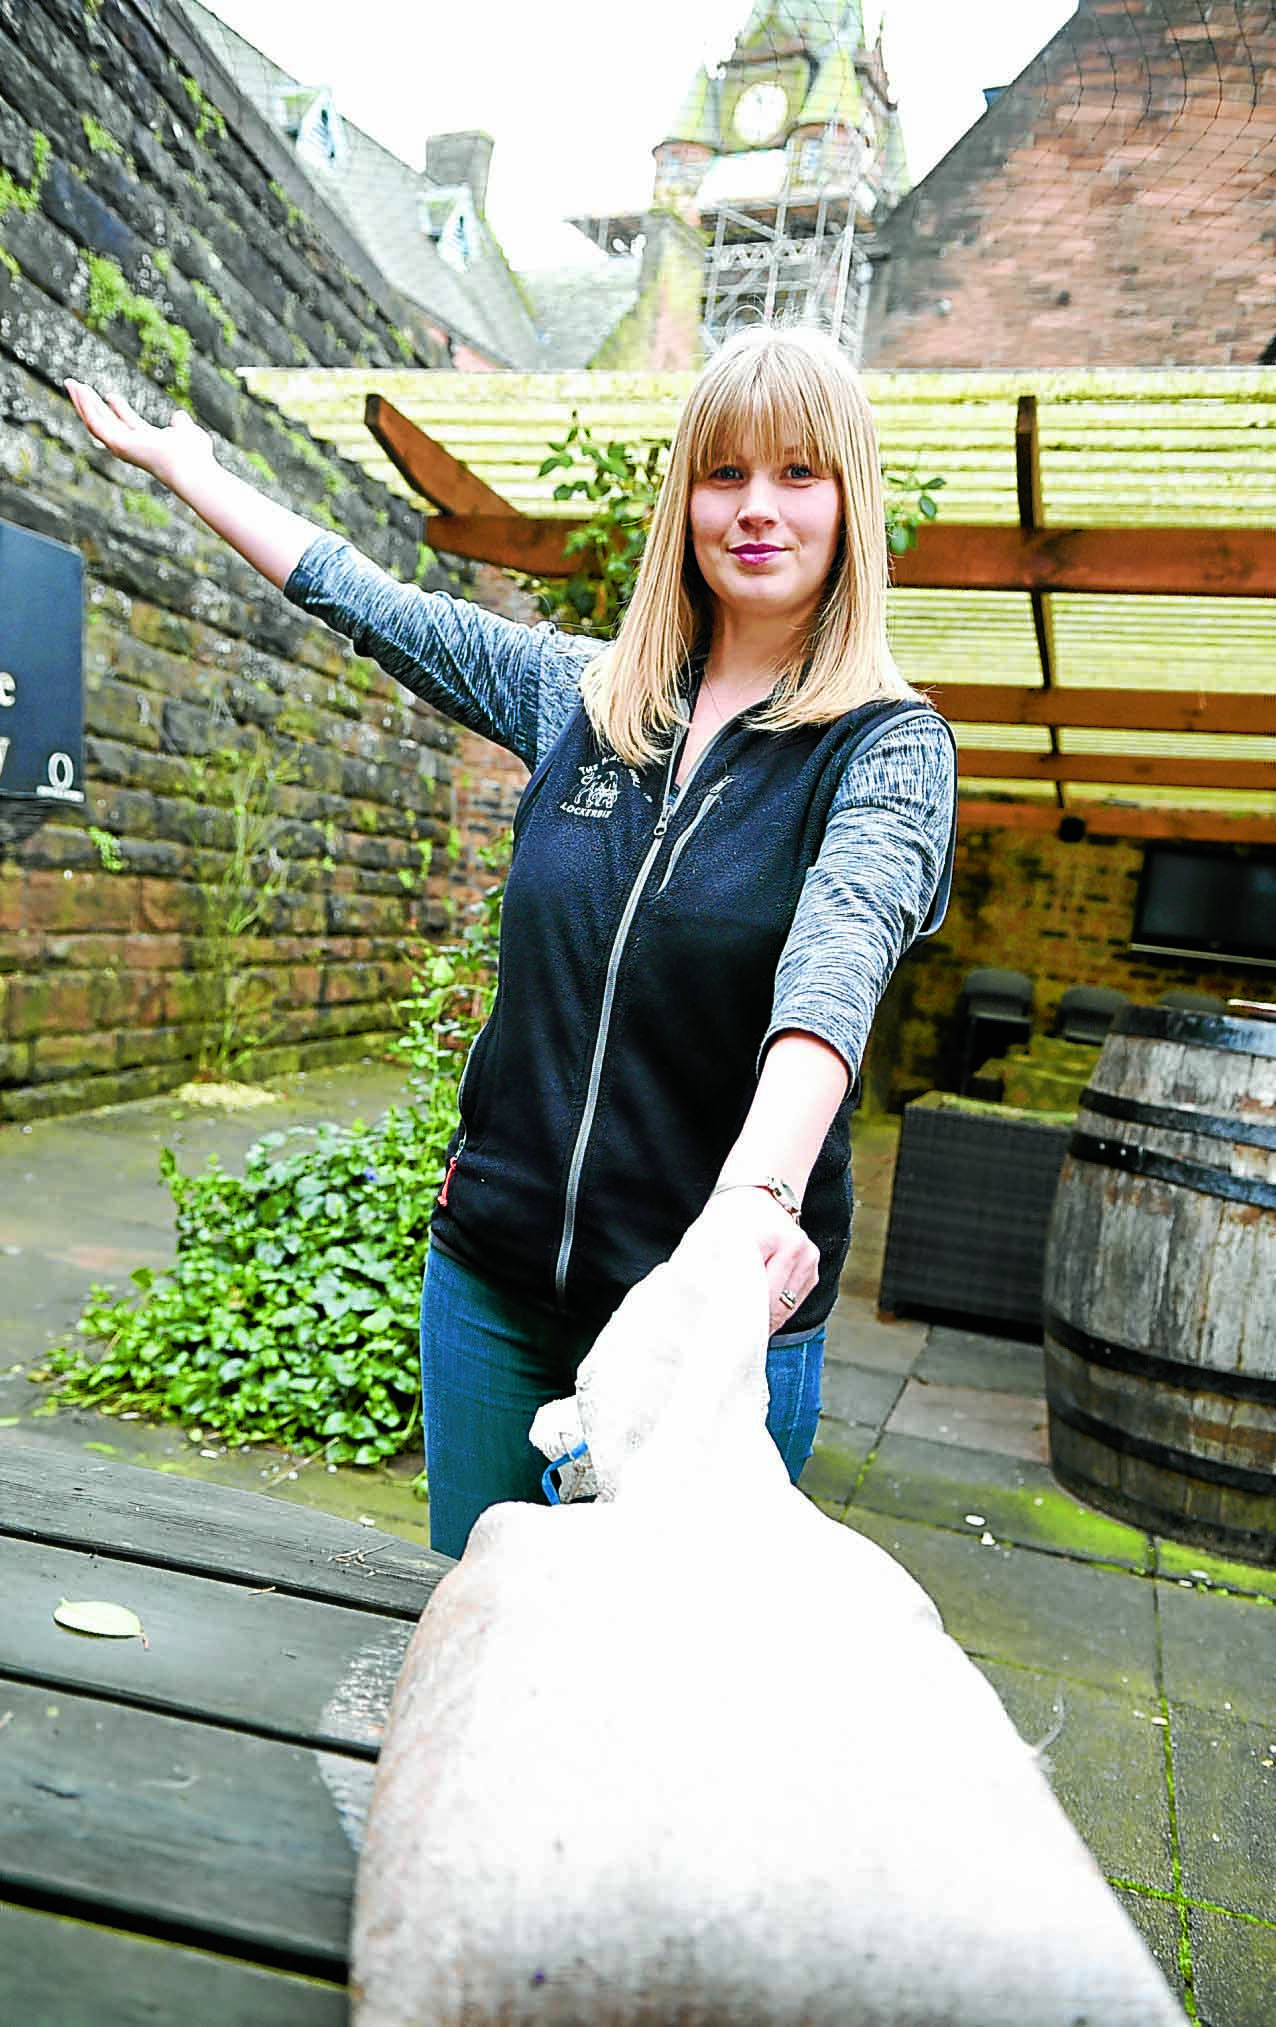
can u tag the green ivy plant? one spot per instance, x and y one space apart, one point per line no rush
290 1313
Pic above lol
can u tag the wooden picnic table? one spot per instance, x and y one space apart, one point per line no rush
179 1819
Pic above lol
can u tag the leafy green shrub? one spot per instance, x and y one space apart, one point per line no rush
290 1313
910 500
619 486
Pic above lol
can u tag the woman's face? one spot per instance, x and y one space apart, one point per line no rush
765 535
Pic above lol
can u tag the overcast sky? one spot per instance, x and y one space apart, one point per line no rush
576 93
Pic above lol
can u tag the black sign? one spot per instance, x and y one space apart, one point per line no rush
41 670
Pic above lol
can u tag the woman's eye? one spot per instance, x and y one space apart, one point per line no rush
725 472
798 470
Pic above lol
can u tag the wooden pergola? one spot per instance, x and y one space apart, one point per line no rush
1114 663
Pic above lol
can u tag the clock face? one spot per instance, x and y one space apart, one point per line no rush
760 112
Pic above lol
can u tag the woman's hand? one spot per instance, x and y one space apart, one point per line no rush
182 458
167 454
791 1261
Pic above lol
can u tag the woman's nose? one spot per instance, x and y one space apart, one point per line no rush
758 500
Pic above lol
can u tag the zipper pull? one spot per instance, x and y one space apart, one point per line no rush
451 1171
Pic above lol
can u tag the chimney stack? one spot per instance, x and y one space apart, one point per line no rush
460 158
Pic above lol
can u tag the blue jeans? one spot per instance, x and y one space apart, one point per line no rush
489 1361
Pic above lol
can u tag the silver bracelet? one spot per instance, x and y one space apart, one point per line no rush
774 1185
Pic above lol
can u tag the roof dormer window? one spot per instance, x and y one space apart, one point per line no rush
449 219
311 121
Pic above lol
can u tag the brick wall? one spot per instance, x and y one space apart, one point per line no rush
121 142
1112 208
1062 913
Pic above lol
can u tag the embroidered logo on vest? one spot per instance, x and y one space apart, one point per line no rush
598 790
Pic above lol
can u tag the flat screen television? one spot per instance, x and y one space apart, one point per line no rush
1215 901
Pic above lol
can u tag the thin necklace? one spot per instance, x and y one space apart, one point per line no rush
707 686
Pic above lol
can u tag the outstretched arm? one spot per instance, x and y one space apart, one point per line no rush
514 684
181 457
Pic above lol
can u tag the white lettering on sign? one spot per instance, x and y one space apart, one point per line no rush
4 753
8 690
61 777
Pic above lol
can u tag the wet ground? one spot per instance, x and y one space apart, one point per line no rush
1154 1662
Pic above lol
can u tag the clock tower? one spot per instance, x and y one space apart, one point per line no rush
783 157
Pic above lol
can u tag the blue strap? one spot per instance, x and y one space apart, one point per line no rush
547 1475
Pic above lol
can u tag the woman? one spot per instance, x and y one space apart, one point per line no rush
738 818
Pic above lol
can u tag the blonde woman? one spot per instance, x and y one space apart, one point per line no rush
738 818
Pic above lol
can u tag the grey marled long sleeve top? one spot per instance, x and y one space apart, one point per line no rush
868 892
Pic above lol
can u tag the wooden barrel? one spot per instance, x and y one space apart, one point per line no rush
1160 1288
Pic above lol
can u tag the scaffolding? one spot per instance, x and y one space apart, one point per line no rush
798 256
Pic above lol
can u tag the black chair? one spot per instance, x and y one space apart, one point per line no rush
994 1013
1194 1002
1086 1012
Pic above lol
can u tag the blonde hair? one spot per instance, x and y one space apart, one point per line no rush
784 391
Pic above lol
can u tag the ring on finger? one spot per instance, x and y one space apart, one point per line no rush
788 1298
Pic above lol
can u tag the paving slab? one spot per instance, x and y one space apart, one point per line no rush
855 1337
1106 1765
1158 1922
967 1358
1225 1797
1180 1559
1234 1969
854 1393
1083 1621
973 1418
835 1464
1219 1652
978 1491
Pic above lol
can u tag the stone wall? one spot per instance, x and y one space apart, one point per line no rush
1112 208
1026 901
154 234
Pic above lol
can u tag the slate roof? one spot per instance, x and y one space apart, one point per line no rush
379 197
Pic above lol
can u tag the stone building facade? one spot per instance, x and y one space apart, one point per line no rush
1113 206
154 233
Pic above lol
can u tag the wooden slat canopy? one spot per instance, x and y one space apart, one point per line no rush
1095 609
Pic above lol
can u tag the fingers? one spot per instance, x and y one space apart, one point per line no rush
123 410
792 1271
93 412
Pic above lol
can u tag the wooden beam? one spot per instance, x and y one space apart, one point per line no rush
1115 820
1108 710
439 477
512 541
1152 770
1031 515
1189 562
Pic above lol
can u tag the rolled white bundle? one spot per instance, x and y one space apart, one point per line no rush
695 1753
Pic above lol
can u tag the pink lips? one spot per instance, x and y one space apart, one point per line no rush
755 552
